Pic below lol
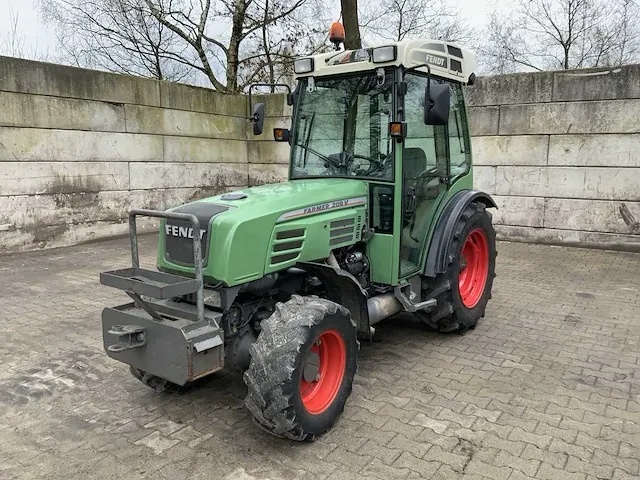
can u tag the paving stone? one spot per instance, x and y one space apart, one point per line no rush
497 403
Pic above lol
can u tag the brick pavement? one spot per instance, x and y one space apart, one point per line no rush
547 386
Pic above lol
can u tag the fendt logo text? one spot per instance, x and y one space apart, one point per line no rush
184 232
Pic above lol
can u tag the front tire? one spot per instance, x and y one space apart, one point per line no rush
302 368
465 288
156 383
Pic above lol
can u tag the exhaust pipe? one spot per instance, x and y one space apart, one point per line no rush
382 306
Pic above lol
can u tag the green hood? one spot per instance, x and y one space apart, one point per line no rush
240 240
278 198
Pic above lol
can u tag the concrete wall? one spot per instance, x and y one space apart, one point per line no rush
560 151
80 148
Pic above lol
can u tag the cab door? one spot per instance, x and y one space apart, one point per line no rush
427 154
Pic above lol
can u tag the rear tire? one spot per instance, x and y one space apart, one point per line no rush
302 368
464 289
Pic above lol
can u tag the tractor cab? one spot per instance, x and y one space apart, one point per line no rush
394 117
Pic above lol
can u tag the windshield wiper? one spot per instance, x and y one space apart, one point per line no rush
307 138
324 158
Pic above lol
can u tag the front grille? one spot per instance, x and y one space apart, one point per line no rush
287 246
180 248
341 231
177 233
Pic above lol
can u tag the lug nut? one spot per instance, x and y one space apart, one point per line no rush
317 377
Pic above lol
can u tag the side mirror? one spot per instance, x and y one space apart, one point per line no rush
281 134
258 118
437 100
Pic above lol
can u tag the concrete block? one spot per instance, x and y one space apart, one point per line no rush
615 116
523 211
569 182
27 178
36 211
27 76
510 89
483 120
192 149
593 215
30 211
484 179
268 152
23 110
267 173
610 241
46 145
597 84
164 198
183 123
595 150
197 99
69 234
510 150
145 176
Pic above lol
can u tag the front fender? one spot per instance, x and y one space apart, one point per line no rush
343 289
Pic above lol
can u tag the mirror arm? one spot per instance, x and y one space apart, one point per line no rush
252 117
423 65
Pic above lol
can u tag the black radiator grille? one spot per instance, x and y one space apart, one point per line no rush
178 233
180 249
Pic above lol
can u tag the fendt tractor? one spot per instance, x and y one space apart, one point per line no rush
280 282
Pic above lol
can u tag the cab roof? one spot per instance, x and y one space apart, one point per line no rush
445 59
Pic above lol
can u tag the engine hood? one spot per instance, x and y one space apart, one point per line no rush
241 226
279 199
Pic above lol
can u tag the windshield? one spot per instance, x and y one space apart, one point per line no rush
341 127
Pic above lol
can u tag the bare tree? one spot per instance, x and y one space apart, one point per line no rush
269 57
191 22
561 34
14 43
117 35
351 23
396 20
199 41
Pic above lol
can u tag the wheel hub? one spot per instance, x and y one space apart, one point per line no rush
474 268
311 368
322 372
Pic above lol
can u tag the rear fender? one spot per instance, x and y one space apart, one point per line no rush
439 249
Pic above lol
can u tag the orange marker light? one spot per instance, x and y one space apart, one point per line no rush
281 134
398 129
336 34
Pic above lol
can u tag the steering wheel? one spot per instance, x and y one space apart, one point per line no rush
374 163
429 172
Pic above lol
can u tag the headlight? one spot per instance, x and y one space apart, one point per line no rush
384 54
303 65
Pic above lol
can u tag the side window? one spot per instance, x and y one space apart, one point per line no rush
424 162
419 146
459 148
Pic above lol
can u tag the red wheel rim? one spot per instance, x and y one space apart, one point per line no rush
474 267
330 352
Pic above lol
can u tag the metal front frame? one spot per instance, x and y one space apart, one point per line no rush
197 247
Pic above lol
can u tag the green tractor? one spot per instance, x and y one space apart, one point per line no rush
280 282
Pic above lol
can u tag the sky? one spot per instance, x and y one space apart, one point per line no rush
40 41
